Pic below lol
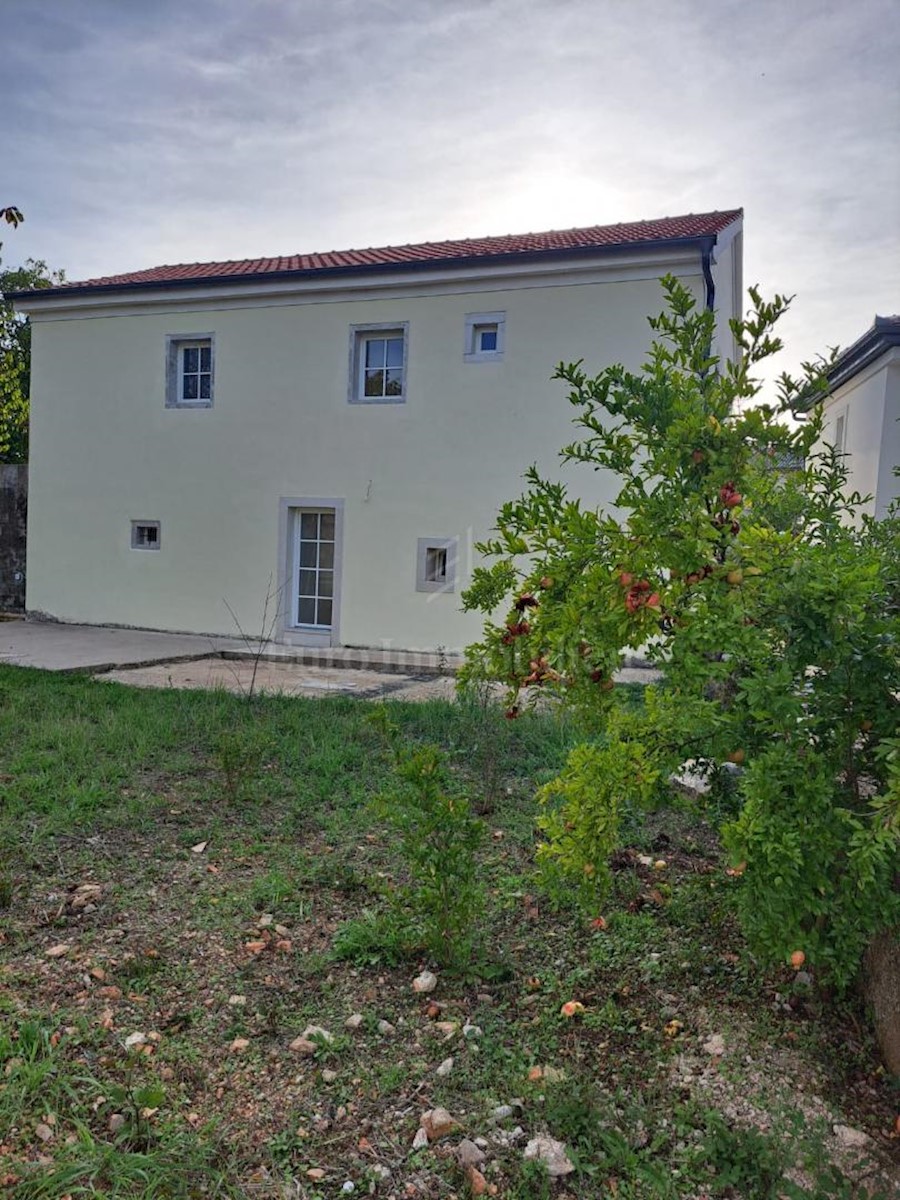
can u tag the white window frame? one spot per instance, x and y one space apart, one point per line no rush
359 335
450 546
176 344
136 544
476 323
290 509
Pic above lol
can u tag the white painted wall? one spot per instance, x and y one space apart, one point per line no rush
870 405
106 450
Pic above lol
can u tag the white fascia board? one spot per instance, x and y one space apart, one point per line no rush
726 237
319 289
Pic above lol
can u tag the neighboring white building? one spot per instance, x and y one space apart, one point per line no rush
862 413
344 425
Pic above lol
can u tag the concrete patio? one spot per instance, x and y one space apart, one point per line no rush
144 658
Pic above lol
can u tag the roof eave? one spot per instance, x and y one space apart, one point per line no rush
871 346
700 241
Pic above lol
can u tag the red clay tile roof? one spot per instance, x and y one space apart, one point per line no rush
601 237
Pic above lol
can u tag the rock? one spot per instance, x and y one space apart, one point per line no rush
239 1045
58 950
386 1028
354 1021
852 1139
477 1182
135 1039
420 1141
116 1123
468 1154
445 1068
715 1045
426 982
554 1075
315 1173
448 1028
329 1076
110 992
86 894
44 1132
803 978
309 1040
265 921
437 1123
551 1153
237 1001
472 1031
503 1112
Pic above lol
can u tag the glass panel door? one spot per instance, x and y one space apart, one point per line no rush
314 569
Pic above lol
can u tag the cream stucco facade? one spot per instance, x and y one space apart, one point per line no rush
227 482
862 415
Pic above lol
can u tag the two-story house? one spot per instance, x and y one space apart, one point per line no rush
337 428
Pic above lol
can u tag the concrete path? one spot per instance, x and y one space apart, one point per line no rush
143 658
96 648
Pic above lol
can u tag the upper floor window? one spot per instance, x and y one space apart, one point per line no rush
485 336
190 367
378 356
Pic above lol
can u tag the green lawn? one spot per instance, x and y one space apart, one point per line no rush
243 890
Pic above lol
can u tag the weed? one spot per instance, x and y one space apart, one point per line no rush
374 938
239 756
438 838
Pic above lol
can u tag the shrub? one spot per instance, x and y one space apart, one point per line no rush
734 560
438 839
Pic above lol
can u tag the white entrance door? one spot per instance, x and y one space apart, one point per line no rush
314 541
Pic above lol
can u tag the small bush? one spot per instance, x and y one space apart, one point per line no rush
438 839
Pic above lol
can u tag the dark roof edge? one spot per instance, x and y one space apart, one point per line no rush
883 334
700 241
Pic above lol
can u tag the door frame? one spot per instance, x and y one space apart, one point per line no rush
289 508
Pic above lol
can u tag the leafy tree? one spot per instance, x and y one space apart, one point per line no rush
735 561
15 357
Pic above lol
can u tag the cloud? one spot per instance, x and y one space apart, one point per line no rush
140 134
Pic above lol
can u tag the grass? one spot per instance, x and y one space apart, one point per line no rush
246 893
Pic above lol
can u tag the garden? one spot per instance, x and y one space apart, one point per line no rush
585 940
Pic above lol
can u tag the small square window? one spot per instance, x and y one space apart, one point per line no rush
190 366
145 535
485 336
436 565
378 356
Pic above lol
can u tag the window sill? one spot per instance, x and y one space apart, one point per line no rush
377 400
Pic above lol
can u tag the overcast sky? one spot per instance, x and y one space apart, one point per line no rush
140 132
